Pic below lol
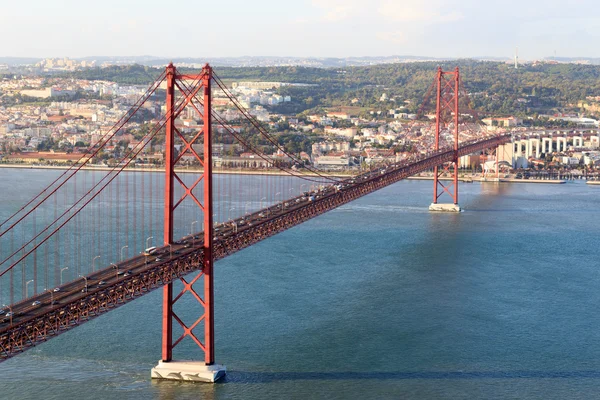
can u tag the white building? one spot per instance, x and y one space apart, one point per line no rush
345 132
331 161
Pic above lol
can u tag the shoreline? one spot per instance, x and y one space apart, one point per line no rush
464 179
178 170
445 178
493 180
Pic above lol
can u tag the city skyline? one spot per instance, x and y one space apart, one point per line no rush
310 28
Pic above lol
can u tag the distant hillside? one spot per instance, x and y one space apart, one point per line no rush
581 60
14 61
495 88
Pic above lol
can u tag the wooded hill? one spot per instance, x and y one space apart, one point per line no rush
493 88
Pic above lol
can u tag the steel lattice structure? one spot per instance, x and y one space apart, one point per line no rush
446 111
175 82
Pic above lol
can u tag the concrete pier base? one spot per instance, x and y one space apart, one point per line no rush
441 207
195 371
491 180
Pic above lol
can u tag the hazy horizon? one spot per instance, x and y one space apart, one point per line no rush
197 57
302 29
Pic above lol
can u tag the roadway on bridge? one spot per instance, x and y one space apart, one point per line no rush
31 320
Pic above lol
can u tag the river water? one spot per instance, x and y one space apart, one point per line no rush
378 299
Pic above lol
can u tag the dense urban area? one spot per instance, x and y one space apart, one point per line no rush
53 110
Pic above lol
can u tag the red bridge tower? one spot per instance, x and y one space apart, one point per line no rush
446 117
189 87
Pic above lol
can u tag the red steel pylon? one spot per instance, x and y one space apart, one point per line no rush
202 82
448 83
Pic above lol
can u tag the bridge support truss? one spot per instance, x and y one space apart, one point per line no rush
167 368
446 115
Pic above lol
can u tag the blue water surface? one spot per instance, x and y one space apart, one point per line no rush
379 299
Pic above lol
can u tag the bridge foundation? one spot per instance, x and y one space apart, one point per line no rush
194 371
444 207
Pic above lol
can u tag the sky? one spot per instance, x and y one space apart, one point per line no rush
300 28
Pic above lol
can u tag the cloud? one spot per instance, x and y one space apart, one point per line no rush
432 11
393 37
302 21
425 12
338 10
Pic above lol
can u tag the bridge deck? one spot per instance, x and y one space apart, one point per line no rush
31 323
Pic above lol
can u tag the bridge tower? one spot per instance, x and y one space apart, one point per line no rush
167 368
446 117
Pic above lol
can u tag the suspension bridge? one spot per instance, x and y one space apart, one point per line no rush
94 240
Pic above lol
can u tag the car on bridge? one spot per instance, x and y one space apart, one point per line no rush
150 250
